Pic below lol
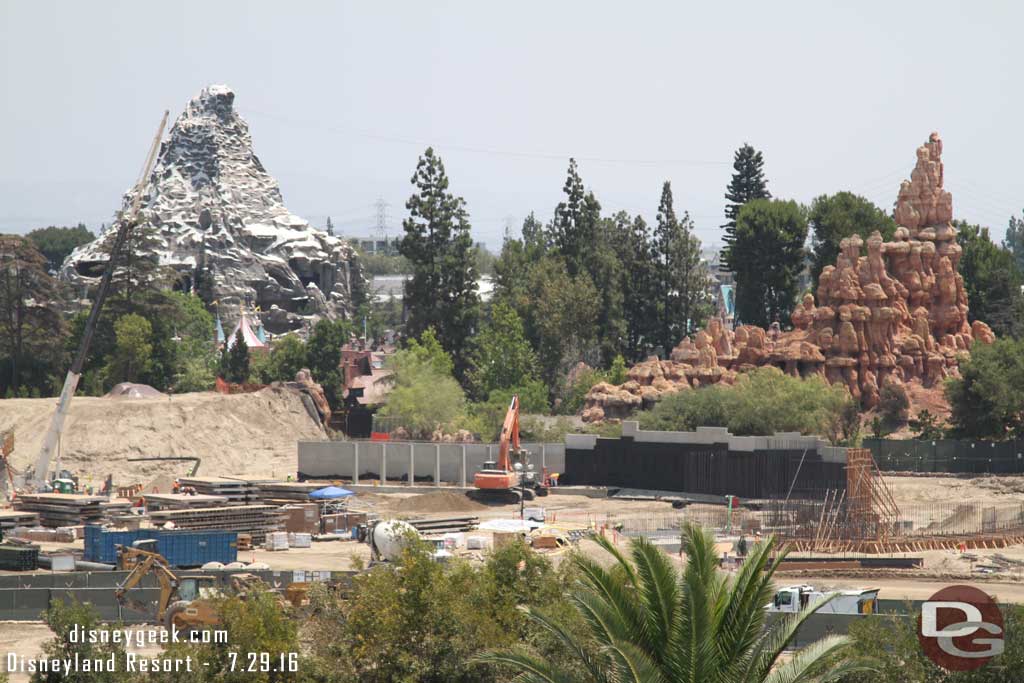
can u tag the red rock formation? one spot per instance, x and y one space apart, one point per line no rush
896 315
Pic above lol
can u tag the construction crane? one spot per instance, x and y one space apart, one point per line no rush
37 476
501 480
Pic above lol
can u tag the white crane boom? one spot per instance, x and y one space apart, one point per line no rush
37 476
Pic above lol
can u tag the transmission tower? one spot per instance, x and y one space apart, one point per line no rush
382 220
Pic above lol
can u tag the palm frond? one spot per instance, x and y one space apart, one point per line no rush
660 593
531 669
695 655
620 559
742 621
596 670
799 667
777 637
633 665
620 598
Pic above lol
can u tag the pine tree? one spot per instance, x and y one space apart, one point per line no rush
330 227
574 229
665 234
691 281
1015 240
31 325
234 365
768 257
442 292
636 254
748 183
681 279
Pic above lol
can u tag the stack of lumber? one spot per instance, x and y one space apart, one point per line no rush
69 509
285 492
236 491
12 518
444 525
255 520
181 501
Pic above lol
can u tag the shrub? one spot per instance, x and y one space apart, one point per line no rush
893 404
763 401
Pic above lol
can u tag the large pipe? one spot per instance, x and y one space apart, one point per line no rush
46 562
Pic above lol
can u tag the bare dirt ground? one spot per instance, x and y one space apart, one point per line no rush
254 434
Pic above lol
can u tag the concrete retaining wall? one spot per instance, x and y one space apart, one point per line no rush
411 462
25 597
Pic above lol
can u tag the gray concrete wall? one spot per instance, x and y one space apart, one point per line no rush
444 463
25 597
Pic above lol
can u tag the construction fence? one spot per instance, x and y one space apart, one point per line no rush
809 519
955 456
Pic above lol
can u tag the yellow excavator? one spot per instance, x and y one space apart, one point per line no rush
187 602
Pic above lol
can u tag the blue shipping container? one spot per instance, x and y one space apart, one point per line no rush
181 548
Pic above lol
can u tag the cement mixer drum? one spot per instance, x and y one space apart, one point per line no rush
389 538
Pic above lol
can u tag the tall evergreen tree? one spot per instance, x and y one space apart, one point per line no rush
748 183
682 280
442 292
234 362
578 235
1015 240
992 281
56 243
767 258
575 227
634 246
691 280
31 326
330 227
665 235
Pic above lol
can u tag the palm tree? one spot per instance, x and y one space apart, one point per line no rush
651 623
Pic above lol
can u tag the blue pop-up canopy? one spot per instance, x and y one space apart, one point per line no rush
331 492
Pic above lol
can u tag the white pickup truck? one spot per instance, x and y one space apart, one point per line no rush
795 598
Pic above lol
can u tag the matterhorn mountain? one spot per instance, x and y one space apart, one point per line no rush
214 209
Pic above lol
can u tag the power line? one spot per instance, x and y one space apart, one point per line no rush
492 151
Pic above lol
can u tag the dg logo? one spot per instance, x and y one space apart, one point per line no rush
960 628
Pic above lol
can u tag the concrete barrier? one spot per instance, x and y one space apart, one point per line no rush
408 462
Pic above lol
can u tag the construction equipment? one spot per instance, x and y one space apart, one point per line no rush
186 602
6 449
37 477
181 602
505 481
191 473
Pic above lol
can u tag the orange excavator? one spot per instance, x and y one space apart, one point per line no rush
505 481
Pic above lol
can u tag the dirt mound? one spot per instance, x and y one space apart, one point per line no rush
243 435
439 501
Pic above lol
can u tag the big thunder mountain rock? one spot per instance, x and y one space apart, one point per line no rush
211 210
896 315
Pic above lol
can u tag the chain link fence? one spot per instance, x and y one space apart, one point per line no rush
955 456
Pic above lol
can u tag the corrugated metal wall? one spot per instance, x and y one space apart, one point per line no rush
702 468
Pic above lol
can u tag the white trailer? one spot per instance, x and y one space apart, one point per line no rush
792 599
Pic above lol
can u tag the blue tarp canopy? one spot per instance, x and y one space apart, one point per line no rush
331 492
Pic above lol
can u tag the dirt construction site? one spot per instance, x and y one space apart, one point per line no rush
232 502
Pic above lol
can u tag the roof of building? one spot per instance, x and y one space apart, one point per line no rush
252 339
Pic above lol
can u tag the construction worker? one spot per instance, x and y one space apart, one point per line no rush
177 486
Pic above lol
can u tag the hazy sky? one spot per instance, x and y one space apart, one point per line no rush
341 97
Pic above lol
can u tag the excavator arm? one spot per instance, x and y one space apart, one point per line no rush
145 562
509 435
